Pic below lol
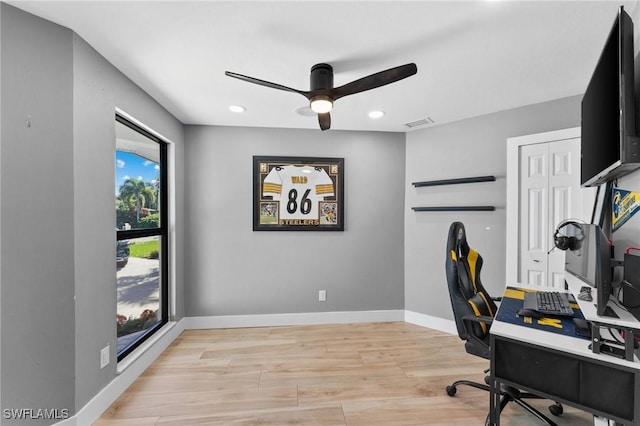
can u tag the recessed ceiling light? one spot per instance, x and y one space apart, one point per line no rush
237 108
376 114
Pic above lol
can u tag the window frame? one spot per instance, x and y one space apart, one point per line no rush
162 232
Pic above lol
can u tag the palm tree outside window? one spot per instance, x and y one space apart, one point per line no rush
139 195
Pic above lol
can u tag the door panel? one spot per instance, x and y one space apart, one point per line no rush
566 202
533 208
537 216
536 277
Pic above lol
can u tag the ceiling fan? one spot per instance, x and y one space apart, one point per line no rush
322 94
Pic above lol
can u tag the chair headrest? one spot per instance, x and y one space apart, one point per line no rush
458 239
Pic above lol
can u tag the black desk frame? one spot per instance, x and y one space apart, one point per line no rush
606 389
623 350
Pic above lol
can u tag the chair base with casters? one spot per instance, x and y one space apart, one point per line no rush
511 394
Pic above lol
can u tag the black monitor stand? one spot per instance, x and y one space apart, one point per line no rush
601 214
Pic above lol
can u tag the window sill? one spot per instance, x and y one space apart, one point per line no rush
146 348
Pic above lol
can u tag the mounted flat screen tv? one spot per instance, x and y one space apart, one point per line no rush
610 145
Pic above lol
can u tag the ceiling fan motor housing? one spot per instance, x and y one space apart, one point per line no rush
321 77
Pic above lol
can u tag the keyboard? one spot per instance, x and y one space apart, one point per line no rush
548 303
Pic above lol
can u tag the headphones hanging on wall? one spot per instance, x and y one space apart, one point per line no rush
568 242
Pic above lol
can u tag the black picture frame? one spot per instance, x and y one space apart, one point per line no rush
298 193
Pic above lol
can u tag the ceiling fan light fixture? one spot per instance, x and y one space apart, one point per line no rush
321 104
322 93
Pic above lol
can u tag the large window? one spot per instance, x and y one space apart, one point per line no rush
141 229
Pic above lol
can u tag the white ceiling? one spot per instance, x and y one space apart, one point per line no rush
473 57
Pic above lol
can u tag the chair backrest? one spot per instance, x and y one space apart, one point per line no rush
468 296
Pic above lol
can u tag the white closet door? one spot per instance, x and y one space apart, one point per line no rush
543 188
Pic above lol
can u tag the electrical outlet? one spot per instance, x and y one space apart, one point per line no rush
104 357
322 295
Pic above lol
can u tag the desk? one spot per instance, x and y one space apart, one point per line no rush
564 369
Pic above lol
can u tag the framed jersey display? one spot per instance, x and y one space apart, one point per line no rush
298 194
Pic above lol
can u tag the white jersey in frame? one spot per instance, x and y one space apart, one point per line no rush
298 190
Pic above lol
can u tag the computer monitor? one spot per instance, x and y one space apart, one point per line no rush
590 261
610 147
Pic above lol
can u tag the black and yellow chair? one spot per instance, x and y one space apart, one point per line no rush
473 311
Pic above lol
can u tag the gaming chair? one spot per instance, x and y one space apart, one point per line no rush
473 311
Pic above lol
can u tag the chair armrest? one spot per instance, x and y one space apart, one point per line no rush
479 344
482 318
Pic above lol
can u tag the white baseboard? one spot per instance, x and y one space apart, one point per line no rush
275 320
435 323
128 372
133 367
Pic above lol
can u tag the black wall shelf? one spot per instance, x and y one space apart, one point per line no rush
474 179
455 209
455 181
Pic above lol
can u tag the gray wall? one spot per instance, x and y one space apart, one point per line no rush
473 147
230 269
98 89
1 26
57 217
37 216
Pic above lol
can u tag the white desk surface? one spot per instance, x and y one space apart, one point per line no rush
589 308
557 341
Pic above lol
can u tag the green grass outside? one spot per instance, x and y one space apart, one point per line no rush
144 249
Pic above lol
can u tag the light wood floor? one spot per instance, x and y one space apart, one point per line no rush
350 374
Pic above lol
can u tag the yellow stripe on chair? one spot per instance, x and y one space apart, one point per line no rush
453 255
487 304
477 312
472 258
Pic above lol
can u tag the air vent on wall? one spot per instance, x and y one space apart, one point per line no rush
418 123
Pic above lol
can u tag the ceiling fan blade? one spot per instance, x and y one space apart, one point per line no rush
265 83
325 121
372 81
